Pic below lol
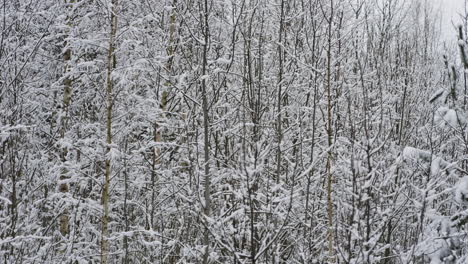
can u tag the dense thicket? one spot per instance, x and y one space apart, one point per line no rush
241 131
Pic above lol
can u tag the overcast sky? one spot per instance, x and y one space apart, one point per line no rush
450 10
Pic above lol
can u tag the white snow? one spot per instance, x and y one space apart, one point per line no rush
223 61
437 94
416 154
461 191
435 166
451 117
446 116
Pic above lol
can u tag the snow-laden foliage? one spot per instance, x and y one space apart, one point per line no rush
240 131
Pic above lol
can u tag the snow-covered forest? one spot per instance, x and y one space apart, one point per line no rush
232 131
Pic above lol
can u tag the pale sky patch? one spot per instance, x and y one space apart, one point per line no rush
450 16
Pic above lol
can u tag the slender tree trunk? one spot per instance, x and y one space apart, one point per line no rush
280 92
109 100
170 46
67 89
125 205
206 149
329 139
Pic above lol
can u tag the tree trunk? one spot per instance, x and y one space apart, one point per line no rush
67 89
329 139
109 99
207 196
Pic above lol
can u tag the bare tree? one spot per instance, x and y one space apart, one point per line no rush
109 104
